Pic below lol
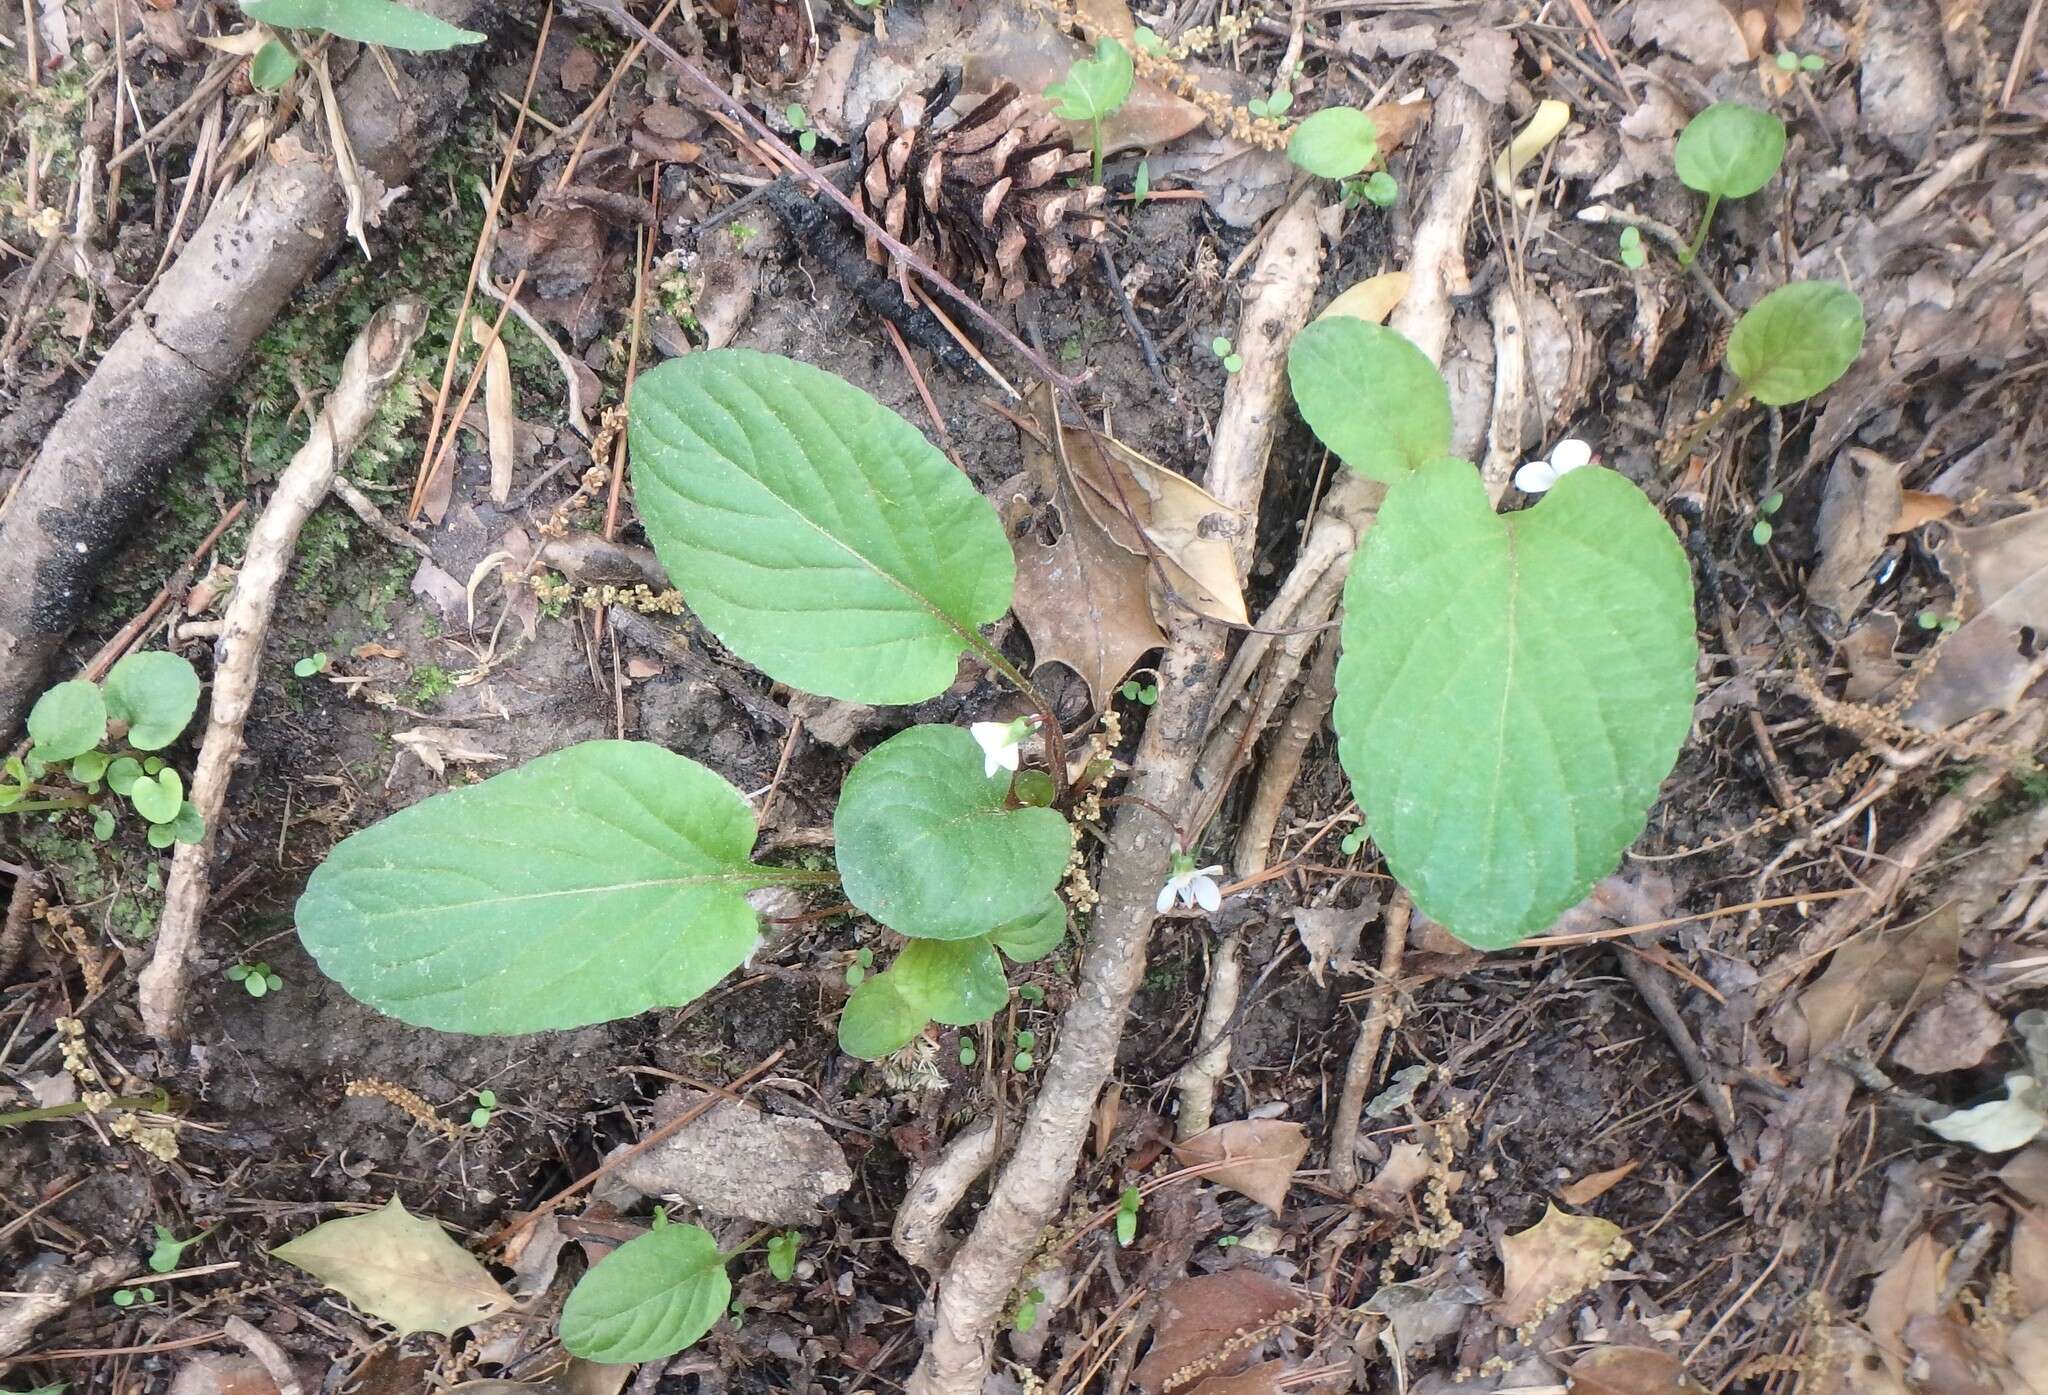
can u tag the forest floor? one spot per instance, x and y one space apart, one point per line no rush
1728 1057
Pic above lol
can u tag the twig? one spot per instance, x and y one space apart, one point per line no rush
28 884
50 1292
372 365
373 518
919 1232
1362 1069
1656 993
1196 1083
1146 348
1283 760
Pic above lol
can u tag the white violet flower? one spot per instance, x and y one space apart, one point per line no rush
1195 886
1000 743
1566 456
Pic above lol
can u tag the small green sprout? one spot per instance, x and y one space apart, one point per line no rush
1790 62
1772 503
968 1055
1031 993
1273 107
310 665
863 960
257 978
1632 254
1127 1216
1224 1242
129 1297
1145 694
486 1106
1221 347
1027 1310
169 1249
1141 185
1728 151
1092 91
782 1251
800 122
1761 534
1935 620
1379 189
1352 842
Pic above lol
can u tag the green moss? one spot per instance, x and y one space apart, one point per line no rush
430 683
109 885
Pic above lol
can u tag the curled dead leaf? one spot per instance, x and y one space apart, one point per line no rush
1859 509
1254 1156
1631 1371
1553 1262
1198 1316
1372 299
1595 1185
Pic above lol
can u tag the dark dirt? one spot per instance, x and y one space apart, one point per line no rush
1544 1068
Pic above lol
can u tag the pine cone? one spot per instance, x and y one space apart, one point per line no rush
985 199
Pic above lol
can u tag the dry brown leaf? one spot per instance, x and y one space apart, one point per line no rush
1113 17
1330 935
1908 1289
1372 299
1592 1187
1917 506
437 747
1858 510
1988 662
1879 970
1632 1371
1552 1262
2028 1260
1262 1379
1854 1366
1954 1032
400 1268
1949 1357
1259 1157
212 1374
2027 1173
1700 31
2026 1347
500 410
1082 598
1407 1167
1198 1315
1397 122
1013 46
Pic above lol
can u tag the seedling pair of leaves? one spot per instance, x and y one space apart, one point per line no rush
1093 90
366 21
1513 689
145 702
258 980
825 541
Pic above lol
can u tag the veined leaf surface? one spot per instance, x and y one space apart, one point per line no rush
651 1297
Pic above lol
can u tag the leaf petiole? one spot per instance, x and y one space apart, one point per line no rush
1699 238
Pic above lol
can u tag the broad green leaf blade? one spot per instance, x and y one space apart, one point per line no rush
1730 149
957 982
366 21
272 67
878 1019
158 797
1336 142
1094 87
155 693
1038 934
1796 341
68 720
590 884
1513 689
651 1297
1370 396
400 1268
926 847
812 529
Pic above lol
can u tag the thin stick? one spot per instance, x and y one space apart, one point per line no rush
1362 1069
1586 937
924 393
640 275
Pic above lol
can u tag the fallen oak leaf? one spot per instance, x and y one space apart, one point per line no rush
1198 1319
1990 660
1859 506
1631 1371
1553 1262
1254 1156
400 1268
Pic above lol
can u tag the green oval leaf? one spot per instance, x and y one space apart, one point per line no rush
272 67
1730 149
957 982
68 720
155 693
1796 341
1370 396
590 884
813 530
1094 87
878 1019
1513 689
1336 142
366 21
926 847
1038 934
651 1297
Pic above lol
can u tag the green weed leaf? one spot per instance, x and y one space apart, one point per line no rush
1513 689
1796 341
651 1297
879 1019
272 67
155 693
926 847
1370 396
158 798
68 720
122 773
813 530
590 884
957 982
1335 143
1036 935
1730 149
366 21
1094 87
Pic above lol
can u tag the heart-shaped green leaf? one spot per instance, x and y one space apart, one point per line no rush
957 982
812 529
122 773
158 797
1513 689
651 1297
155 694
1036 935
68 720
926 847
366 21
1336 142
590 884
878 1019
1094 87
1796 341
1730 150
1370 396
